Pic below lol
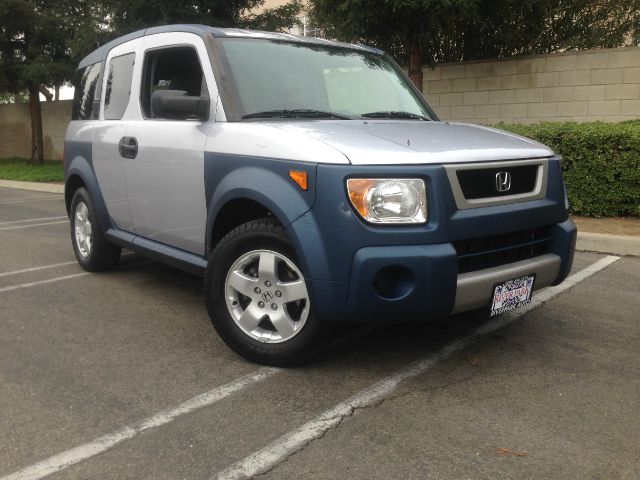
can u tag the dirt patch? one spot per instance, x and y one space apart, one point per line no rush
610 225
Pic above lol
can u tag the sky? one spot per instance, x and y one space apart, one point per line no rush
66 93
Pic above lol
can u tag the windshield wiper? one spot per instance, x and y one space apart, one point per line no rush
392 114
295 113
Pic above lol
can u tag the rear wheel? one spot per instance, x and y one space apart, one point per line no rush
92 249
257 297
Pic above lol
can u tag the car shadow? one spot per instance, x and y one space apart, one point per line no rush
360 343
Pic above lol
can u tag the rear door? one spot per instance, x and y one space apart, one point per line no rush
108 163
165 180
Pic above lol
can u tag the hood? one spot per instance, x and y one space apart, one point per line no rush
379 142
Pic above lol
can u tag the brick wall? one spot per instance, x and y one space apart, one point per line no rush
15 129
585 86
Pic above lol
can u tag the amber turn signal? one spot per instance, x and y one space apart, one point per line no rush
358 192
300 178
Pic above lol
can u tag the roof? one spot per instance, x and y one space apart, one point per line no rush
101 53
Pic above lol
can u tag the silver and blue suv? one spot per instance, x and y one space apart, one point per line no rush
308 181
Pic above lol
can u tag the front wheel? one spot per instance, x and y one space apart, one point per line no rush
257 297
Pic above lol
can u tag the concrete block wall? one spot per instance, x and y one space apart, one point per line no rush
15 129
573 86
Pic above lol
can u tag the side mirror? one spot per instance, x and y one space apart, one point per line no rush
177 105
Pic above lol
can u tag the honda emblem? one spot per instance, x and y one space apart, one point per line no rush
503 181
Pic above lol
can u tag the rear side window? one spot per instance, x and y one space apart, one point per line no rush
118 88
85 89
176 68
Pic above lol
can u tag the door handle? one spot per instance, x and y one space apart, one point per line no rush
128 147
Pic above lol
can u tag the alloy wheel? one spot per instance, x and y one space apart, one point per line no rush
83 230
267 296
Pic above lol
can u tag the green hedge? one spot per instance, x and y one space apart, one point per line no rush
601 163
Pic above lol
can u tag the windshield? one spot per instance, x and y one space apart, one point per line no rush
291 80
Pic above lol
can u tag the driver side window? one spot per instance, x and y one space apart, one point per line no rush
176 71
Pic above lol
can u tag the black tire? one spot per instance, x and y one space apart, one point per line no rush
101 255
262 234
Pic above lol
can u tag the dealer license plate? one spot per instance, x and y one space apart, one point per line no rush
512 294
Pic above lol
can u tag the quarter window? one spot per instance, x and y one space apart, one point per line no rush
85 90
118 86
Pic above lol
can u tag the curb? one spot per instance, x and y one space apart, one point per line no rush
605 243
33 186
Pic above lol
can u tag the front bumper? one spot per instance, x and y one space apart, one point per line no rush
420 282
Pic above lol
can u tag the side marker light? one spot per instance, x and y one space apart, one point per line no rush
300 178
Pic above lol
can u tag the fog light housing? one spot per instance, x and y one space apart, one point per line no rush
393 282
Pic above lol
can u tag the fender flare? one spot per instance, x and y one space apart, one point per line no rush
267 183
80 167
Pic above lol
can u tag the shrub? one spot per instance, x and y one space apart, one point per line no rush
601 163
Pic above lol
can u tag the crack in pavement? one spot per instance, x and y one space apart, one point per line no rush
337 419
351 410
291 443
288 445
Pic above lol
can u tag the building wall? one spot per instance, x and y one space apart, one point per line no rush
15 129
586 86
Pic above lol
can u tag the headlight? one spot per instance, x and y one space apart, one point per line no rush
389 200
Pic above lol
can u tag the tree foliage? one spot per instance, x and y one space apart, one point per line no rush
277 19
33 44
130 15
41 41
34 52
430 31
544 26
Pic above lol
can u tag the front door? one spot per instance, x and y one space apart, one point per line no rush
165 180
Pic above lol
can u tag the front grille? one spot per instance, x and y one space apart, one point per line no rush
481 182
487 252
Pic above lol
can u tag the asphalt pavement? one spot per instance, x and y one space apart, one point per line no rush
121 375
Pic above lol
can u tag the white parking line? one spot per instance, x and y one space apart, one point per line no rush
78 454
59 279
288 444
33 225
35 269
29 220
270 456
42 282
30 199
